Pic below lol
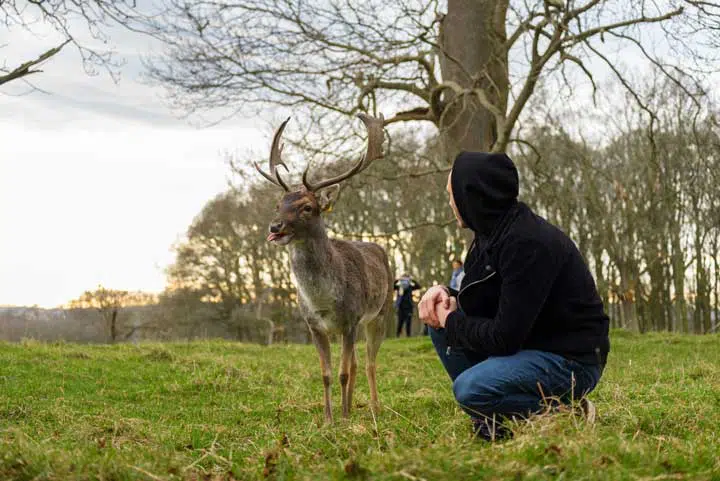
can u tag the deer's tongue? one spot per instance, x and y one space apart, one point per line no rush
273 236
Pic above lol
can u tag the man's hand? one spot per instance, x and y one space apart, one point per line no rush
442 312
429 302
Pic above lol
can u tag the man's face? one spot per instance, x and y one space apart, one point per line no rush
460 222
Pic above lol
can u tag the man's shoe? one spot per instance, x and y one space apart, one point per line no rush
490 430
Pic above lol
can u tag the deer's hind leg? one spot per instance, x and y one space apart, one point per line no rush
374 334
322 343
353 376
348 369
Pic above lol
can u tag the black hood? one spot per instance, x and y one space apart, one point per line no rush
485 187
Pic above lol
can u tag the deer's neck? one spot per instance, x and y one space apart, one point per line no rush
311 256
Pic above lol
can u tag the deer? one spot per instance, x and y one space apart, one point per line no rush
341 285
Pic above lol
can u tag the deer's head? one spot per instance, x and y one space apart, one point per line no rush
299 210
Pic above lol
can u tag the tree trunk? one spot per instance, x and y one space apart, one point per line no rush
113 326
678 262
472 37
630 319
715 319
657 299
702 298
669 308
600 281
627 299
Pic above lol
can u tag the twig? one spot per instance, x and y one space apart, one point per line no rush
148 474
407 475
377 431
25 69
406 419
391 234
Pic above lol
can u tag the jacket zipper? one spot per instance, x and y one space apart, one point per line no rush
447 351
472 284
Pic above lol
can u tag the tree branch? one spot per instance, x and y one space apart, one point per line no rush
27 68
580 37
400 230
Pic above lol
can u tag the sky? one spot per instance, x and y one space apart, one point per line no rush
99 179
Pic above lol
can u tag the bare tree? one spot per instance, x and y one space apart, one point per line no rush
642 205
226 260
467 66
82 24
110 303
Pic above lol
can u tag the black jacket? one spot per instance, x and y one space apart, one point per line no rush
526 284
404 300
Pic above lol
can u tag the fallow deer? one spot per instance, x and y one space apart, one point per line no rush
341 284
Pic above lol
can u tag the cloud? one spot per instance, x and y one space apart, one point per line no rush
81 207
67 93
98 179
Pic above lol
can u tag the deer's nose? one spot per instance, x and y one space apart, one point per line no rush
276 227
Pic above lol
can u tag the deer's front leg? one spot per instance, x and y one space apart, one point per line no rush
322 343
348 368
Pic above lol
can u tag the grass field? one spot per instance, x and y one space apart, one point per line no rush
227 411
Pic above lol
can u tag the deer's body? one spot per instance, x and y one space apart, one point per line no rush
340 282
342 285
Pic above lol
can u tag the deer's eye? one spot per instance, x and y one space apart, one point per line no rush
307 208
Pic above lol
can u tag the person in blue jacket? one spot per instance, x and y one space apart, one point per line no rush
528 324
457 275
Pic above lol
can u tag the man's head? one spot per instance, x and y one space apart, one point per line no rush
456 264
451 199
482 188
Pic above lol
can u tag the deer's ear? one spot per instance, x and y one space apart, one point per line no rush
327 198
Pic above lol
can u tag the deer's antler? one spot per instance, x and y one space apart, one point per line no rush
275 159
376 135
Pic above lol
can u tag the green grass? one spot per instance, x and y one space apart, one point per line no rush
227 411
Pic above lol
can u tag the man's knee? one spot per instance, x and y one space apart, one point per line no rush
471 393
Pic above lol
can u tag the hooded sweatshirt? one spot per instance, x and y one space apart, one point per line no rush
526 285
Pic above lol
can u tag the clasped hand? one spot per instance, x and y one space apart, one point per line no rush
435 306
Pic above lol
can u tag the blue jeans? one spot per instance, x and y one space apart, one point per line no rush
516 385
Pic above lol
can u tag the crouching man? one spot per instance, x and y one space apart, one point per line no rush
527 325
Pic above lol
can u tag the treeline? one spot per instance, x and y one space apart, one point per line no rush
640 199
641 202
167 320
644 209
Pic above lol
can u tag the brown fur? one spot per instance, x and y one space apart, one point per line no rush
341 285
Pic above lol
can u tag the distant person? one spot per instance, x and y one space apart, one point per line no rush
529 325
404 287
457 275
